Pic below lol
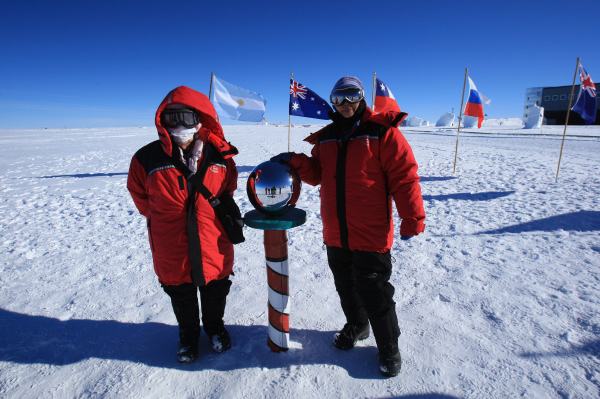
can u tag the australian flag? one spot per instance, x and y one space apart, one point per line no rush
586 100
305 102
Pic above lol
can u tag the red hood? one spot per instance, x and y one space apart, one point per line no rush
208 116
388 119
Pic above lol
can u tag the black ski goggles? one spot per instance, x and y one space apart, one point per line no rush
349 95
179 117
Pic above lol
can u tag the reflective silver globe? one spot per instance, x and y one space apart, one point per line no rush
273 187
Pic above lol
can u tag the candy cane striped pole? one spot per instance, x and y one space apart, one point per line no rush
276 253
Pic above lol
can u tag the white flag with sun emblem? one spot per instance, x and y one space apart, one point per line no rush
237 103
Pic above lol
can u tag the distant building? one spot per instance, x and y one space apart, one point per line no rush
555 101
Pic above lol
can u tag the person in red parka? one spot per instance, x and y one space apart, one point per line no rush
190 248
362 163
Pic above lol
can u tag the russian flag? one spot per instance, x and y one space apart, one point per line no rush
474 104
384 98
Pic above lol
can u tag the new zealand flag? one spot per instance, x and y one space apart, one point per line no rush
305 102
586 100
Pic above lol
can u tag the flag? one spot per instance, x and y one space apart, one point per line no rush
586 99
384 98
474 104
237 103
305 102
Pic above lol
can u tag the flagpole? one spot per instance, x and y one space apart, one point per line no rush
373 97
290 119
462 101
210 89
562 144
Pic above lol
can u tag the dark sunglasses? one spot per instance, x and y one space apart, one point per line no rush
352 96
179 117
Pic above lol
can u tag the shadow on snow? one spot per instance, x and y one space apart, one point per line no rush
27 339
82 175
574 221
485 196
436 178
245 168
591 348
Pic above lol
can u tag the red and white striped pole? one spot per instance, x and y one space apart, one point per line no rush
276 253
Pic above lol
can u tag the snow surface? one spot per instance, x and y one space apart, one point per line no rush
499 298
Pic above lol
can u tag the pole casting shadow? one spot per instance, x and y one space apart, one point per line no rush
485 196
575 221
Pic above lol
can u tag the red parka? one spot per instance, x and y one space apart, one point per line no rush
360 171
157 182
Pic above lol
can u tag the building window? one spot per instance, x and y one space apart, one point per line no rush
563 96
555 97
546 98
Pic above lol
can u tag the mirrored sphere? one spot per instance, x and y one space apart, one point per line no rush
273 187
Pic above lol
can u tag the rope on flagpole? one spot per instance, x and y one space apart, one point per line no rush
562 143
462 101
210 89
290 118
374 88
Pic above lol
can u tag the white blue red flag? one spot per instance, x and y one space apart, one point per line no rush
384 98
305 102
474 104
586 99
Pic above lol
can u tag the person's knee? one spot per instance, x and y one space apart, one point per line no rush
375 291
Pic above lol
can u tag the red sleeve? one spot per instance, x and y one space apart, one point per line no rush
402 180
308 168
136 184
231 177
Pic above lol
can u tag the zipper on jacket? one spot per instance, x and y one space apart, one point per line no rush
340 180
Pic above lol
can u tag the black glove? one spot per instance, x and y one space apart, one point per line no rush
406 238
284 157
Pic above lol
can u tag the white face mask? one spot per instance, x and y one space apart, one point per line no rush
182 135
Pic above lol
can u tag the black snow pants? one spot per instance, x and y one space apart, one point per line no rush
184 300
366 295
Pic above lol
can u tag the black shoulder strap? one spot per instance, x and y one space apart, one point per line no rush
196 180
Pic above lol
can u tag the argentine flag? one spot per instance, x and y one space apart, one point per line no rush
237 103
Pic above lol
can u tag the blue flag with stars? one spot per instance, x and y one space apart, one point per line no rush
586 100
305 102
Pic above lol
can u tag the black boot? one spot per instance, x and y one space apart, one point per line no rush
390 361
220 342
186 353
350 334
213 298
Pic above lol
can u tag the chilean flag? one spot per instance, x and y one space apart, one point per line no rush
384 98
474 104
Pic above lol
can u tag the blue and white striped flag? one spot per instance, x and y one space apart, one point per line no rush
237 103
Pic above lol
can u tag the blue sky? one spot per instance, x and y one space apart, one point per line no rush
110 63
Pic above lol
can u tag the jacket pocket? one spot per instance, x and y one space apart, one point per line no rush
150 234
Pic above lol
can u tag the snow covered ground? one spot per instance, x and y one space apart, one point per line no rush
499 298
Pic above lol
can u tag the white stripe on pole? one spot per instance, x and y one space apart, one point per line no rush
280 303
279 338
279 267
